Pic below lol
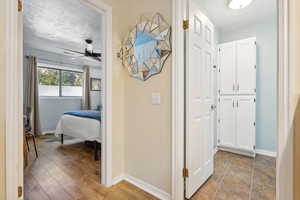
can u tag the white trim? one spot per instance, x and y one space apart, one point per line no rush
13 99
178 14
106 153
284 117
14 89
48 132
216 150
144 186
266 153
118 179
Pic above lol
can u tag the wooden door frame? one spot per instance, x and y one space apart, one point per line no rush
179 9
14 95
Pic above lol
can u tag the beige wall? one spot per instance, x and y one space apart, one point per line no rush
2 145
147 126
141 131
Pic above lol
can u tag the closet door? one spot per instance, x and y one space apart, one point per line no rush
245 124
246 66
227 68
227 120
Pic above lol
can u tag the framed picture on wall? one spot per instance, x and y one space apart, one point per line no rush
95 84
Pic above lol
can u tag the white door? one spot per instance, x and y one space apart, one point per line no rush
245 126
246 66
227 68
199 99
227 121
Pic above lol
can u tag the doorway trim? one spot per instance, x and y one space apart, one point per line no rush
179 9
14 103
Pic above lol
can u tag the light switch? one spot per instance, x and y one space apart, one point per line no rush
155 98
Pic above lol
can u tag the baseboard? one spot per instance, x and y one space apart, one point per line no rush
48 132
216 150
144 186
266 153
118 179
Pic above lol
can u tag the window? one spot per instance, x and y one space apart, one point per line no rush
59 83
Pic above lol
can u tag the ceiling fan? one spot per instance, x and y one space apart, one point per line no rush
89 53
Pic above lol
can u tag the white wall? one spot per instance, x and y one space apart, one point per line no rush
266 110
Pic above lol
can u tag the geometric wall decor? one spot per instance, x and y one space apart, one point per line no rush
147 47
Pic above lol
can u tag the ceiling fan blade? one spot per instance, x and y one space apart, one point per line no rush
96 54
97 58
81 53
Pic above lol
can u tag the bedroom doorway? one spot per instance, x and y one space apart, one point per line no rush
58 70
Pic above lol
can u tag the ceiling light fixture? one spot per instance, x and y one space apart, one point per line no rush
238 4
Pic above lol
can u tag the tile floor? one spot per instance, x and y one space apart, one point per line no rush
240 178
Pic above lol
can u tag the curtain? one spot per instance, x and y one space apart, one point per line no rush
31 93
86 100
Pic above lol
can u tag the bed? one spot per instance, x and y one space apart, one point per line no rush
83 124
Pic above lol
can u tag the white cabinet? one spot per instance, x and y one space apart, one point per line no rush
237 67
227 116
227 68
246 66
245 122
237 93
236 124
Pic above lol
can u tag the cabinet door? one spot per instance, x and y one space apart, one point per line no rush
227 118
246 66
245 124
227 68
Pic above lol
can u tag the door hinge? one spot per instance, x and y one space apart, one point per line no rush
254 147
185 172
20 6
185 24
20 191
254 124
254 66
255 42
254 90
215 66
254 100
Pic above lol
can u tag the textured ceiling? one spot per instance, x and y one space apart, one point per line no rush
227 19
51 25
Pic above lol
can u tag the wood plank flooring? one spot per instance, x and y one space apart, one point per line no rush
69 172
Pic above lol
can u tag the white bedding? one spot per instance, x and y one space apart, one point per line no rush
79 127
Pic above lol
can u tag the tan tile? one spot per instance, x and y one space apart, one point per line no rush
232 194
202 196
263 192
264 177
